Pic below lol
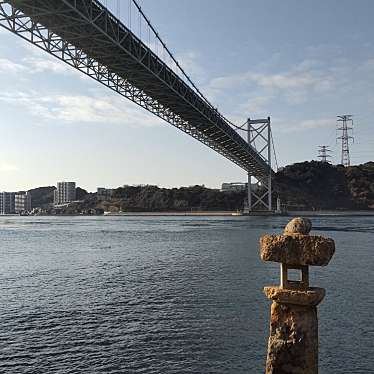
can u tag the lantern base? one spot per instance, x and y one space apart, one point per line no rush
293 340
311 296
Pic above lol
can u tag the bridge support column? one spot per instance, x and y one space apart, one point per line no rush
260 193
249 193
249 185
270 170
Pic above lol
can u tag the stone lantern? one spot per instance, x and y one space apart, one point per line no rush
293 340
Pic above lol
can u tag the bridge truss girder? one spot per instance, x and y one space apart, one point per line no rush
86 36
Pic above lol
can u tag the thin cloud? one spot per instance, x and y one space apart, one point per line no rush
43 64
305 125
35 62
189 62
6 167
33 65
256 106
7 66
81 109
298 79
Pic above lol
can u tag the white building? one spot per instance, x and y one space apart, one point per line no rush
231 187
104 193
65 193
237 187
22 202
7 203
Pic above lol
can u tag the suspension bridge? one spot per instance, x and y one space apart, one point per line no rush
123 51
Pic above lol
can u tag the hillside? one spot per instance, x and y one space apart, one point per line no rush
41 196
321 186
155 199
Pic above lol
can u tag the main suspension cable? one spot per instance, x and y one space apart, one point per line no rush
275 154
178 65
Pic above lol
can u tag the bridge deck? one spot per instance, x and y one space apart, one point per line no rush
86 35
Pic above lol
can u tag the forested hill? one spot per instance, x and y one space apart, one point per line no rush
321 186
153 198
310 185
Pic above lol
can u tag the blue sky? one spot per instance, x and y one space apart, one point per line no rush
300 62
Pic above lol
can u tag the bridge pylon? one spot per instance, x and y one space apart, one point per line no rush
259 197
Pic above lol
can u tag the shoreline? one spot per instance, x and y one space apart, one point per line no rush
255 214
176 214
330 213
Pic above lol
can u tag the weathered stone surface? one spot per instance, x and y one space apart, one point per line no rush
298 225
293 340
312 296
297 249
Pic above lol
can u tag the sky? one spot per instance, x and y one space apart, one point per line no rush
300 62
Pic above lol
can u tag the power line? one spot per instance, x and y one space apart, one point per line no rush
346 129
323 153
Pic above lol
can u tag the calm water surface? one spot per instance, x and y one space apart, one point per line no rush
168 295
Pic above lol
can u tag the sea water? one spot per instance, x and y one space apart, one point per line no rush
169 294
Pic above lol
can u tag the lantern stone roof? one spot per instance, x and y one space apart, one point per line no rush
295 247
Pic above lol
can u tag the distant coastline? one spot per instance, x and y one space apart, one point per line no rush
231 213
292 213
315 187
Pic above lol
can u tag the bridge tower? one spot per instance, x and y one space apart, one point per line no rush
260 190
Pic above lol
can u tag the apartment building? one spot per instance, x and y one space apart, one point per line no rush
7 203
65 193
22 202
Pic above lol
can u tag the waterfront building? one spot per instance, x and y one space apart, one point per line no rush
104 193
64 193
237 187
22 202
233 187
7 203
